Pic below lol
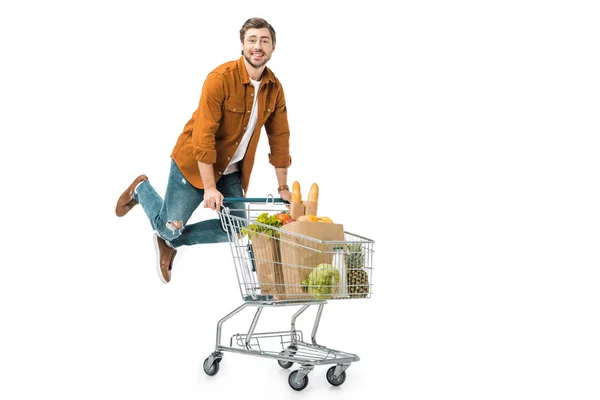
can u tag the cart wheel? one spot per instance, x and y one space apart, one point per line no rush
287 364
211 370
297 386
284 364
335 381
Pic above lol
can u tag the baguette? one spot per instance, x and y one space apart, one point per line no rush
313 194
296 195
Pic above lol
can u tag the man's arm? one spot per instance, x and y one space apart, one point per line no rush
282 180
279 142
208 119
278 133
206 124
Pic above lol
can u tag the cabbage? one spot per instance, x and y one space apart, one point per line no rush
322 281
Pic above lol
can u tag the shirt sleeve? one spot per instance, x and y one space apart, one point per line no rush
278 132
208 118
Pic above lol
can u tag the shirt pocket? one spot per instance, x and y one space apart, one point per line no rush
233 114
235 107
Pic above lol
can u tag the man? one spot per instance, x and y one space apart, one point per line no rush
214 155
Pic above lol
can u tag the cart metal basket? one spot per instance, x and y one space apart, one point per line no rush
277 267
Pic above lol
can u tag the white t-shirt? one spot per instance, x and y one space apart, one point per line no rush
243 146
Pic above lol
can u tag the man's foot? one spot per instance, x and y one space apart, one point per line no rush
126 202
165 255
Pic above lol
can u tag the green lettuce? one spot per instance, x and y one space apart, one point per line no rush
265 219
322 281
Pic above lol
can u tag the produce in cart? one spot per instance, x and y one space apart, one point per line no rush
314 218
358 278
264 219
322 281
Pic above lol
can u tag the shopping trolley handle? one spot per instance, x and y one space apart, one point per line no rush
266 200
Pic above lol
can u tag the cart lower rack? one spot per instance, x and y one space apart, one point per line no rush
279 268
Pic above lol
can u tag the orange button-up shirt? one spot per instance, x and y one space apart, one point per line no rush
216 128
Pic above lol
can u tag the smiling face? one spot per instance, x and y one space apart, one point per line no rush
257 46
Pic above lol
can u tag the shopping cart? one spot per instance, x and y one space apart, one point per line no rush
276 267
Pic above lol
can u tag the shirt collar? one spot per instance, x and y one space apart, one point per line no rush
241 66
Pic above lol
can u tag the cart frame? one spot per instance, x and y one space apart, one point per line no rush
293 347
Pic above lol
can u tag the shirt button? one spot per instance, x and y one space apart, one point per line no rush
251 94
248 111
234 109
220 173
236 143
228 158
268 109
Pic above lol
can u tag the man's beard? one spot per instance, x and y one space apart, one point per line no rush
249 59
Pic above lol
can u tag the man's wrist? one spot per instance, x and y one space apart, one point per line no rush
283 187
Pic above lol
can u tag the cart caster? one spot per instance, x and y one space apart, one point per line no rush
335 381
211 365
297 385
284 364
291 350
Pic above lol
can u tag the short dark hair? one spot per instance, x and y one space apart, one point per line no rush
257 23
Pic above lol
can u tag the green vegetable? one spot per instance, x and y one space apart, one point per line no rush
322 281
259 226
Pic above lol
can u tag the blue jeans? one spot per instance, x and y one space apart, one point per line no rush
181 200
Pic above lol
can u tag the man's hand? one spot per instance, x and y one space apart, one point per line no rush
286 195
213 199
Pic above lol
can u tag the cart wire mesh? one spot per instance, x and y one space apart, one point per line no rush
279 265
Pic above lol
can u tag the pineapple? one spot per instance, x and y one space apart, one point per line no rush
358 279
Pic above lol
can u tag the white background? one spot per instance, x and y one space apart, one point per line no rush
460 136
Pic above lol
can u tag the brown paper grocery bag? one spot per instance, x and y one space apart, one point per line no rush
310 207
296 209
267 260
301 251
